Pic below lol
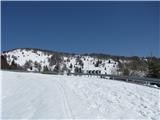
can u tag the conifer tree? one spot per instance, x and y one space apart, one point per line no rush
154 68
57 68
45 69
4 64
38 66
13 65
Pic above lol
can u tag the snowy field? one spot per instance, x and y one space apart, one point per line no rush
39 96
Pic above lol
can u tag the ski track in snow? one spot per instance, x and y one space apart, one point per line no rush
38 96
65 99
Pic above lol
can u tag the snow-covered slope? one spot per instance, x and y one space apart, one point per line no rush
21 56
34 95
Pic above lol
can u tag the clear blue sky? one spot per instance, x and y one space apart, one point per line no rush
118 28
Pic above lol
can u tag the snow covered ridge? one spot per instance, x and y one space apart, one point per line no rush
30 59
40 96
38 60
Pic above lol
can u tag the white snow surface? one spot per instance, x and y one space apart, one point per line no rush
40 96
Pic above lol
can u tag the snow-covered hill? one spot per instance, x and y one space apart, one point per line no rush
39 96
31 58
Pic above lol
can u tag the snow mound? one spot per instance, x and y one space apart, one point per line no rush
39 96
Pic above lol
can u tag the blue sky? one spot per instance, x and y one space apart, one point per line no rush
118 28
